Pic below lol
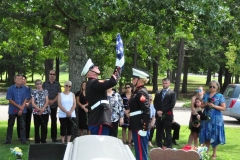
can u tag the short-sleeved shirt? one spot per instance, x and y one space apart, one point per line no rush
39 97
53 90
152 111
116 105
18 95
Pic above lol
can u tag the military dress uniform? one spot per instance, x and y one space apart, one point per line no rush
139 106
99 122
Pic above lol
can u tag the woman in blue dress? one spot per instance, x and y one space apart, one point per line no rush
212 127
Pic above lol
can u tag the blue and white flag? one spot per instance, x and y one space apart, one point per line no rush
119 51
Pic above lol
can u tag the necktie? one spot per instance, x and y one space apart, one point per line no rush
163 93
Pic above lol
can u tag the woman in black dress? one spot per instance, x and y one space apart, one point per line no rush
83 109
126 96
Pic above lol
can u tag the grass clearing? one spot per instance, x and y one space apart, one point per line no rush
229 151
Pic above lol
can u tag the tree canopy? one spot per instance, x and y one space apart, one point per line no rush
151 31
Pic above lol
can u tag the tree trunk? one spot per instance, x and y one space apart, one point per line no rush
48 63
227 80
220 75
57 69
77 60
10 72
237 79
6 76
185 75
209 76
155 73
181 54
173 76
120 86
169 57
135 55
32 76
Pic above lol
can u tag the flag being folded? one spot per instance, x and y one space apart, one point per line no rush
119 51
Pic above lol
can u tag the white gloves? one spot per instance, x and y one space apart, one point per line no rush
120 62
142 133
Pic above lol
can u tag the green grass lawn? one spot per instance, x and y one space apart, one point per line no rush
229 151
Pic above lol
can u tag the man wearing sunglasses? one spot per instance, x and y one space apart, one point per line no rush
53 87
99 121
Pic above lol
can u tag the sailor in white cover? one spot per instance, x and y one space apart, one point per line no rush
67 105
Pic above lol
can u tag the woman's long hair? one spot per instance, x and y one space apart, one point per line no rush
195 106
81 89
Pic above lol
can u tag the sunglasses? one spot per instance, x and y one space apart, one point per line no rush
68 86
127 87
38 83
51 74
198 90
212 87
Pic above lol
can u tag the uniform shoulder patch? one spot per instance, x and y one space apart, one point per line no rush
101 81
142 98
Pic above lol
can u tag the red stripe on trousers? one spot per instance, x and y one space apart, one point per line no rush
139 146
100 130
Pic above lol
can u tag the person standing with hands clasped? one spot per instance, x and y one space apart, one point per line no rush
40 112
140 114
212 126
116 106
67 105
53 87
126 96
83 112
152 121
164 103
17 95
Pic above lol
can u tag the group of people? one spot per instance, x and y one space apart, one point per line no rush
101 110
206 120
105 112
41 102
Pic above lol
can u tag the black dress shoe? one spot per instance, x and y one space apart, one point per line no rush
7 143
54 140
174 142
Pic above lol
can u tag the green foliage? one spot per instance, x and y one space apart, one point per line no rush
63 67
3 101
233 60
187 105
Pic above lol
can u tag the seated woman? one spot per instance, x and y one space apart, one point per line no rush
67 105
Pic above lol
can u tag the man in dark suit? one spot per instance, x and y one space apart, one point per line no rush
164 103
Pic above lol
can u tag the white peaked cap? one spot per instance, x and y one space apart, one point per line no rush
139 74
88 65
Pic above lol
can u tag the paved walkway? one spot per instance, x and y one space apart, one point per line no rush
181 115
